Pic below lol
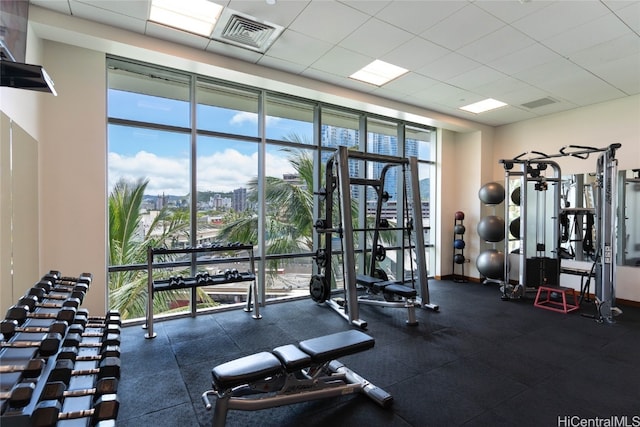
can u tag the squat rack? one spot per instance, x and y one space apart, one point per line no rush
338 179
605 213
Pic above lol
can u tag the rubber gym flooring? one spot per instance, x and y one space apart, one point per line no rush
479 361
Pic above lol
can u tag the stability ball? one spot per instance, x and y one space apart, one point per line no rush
459 229
459 259
491 228
515 196
490 263
514 228
458 244
491 193
459 215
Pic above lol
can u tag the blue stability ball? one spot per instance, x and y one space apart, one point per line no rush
491 228
458 244
490 263
491 193
459 229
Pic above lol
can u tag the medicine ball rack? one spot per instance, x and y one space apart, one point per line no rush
398 293
199 279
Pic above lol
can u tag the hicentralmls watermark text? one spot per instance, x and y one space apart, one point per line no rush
612 421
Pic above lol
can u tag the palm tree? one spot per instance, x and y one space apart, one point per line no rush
128 244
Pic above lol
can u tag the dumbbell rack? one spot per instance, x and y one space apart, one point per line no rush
170 284
49 312
457 236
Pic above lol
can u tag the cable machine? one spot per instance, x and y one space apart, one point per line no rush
338 226
529 173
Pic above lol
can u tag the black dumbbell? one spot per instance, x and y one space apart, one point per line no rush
76 340
34 302
47 413
41 293
63 370
56 276
53 286
111 317
32 369
10 327
58 389
72 354
20 395
48 345
22 313
95 331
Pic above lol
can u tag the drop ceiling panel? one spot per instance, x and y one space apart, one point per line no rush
502 42
584 37
559 17
138 9
408 84
448 66
282 65
624 73
477 77
630 14
572 87
625 46
475 21
282 14
510 11
418 16
523 59
375 38
167 33
341 62
136 21
328 21
296 47
415 53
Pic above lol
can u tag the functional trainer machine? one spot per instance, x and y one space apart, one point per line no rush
531 174
291 374
404 293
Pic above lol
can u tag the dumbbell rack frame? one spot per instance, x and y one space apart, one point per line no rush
192 283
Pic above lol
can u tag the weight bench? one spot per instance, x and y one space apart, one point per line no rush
389 290
291 374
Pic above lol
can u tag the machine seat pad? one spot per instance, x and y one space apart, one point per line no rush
245 370
292 357
329 347
364 280
402 290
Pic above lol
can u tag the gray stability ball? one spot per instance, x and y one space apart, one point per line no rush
490 263
491 193
491 228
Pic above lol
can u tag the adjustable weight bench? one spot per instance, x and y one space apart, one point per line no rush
291 374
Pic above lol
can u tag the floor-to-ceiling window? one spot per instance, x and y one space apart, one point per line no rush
198 162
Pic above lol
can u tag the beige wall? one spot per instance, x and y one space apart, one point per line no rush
73 169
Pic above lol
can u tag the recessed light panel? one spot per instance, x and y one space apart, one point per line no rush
378 73
194 16
482 106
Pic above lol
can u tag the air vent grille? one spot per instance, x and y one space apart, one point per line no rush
539 103
247 32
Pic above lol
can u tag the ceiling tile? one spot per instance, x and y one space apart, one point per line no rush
498 88
559 17
608 51
553 69
463 27
630 14
282 13
410 83
502 42
282 65
583 37
341 62
418 16
510 11
328 21
448 66
132 18
522 59
370 7
133 8
166 33
415 53
572 87
232 51
623 73
295 47
477 77
375 38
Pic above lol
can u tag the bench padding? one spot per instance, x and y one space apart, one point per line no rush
292 357
245 369
329 347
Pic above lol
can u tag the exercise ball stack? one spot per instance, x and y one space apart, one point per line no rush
458 247
491 229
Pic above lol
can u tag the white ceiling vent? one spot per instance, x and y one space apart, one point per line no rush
539 103
245 31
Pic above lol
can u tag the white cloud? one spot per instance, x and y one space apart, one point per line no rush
223 171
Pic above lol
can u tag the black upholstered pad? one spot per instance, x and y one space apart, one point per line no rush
363 280
245 370
292 357
403 291
329 347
